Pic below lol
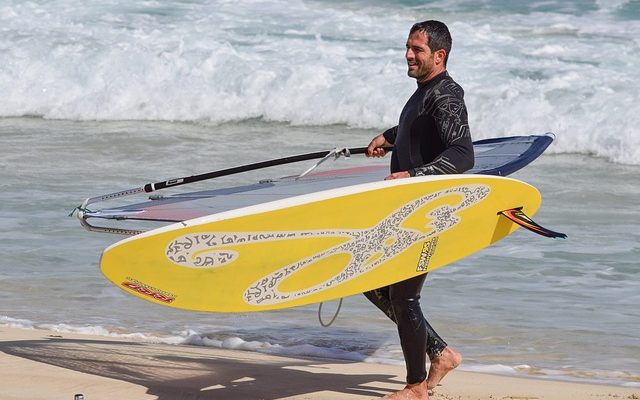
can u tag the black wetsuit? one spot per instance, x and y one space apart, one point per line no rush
432 137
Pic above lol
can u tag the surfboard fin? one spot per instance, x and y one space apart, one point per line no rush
516 215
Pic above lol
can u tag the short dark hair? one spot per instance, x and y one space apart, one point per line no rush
438 36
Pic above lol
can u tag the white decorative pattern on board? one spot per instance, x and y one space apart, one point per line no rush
367 248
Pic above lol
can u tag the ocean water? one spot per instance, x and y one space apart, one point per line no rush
103 96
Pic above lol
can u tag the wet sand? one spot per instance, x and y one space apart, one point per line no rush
40 364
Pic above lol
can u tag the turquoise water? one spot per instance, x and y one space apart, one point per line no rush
523 305
106 96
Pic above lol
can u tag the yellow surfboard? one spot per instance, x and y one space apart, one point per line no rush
317 247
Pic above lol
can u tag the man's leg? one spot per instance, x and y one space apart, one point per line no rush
380 298
442 357
412 327
401 303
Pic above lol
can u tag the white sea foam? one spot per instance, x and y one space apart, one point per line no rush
193 338
16 322
315 63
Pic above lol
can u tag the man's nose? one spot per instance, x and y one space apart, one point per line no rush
409 55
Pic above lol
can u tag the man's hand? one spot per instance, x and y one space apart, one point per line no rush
375 147
398 175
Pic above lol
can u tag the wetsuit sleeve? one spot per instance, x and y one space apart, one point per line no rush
451 122
390 134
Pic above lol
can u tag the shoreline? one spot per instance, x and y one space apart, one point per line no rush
39 363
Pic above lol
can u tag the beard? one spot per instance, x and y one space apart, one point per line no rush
422 70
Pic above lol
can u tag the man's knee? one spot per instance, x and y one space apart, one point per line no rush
407 308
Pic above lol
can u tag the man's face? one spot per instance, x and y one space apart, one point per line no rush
420 60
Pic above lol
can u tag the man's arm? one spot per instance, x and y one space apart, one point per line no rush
386 139
450 115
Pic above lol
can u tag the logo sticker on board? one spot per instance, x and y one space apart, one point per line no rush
150 291
428 249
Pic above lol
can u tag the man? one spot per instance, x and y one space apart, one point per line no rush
432 137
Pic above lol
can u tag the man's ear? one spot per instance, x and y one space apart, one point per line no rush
439 56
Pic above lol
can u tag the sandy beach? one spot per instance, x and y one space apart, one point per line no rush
40 364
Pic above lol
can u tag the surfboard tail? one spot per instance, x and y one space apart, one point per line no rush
519 217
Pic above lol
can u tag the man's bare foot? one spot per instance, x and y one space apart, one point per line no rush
447 361
415 391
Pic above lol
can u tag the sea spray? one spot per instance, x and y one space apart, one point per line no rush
528 67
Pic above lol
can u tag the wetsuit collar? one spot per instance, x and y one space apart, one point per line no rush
435 79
